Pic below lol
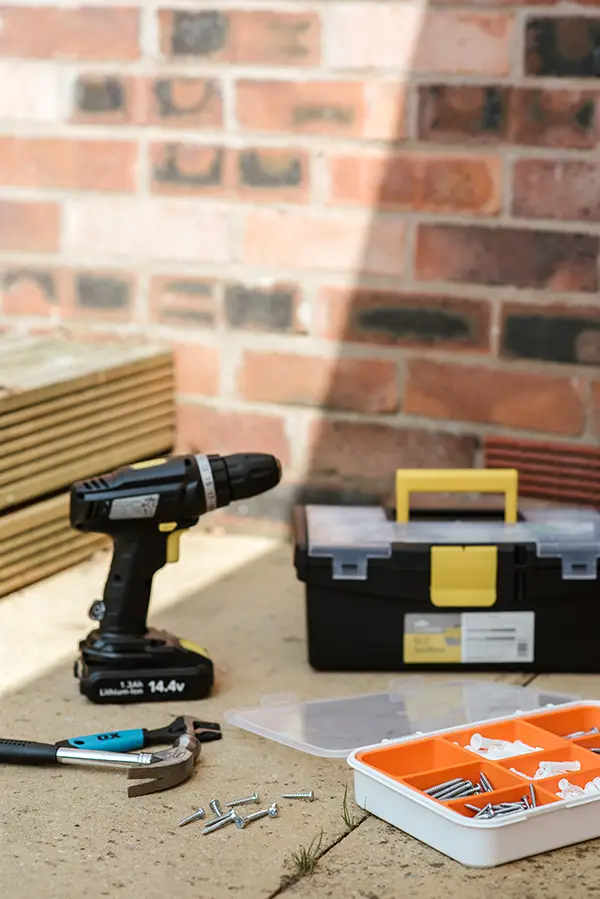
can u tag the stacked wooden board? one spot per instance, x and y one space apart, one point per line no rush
70 411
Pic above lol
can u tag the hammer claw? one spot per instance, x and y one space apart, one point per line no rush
175 766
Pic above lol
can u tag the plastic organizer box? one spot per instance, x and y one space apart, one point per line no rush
391 778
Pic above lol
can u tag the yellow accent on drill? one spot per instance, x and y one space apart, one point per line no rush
463 576
193 647
168 527
173 546
149 463
457 480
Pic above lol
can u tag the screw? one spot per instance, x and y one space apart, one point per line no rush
308 795
272 812
532 794
441 788
215 806
488 788
199 813
220 822
246 801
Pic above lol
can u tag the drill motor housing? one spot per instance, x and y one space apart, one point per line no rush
145 508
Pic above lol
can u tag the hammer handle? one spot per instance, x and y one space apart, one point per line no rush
25 752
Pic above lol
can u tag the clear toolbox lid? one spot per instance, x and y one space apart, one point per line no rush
333 728
351 535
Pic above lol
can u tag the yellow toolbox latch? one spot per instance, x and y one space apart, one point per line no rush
463 576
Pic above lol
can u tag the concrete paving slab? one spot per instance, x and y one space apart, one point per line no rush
73 832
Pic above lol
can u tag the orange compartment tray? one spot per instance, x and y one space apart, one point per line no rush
415 765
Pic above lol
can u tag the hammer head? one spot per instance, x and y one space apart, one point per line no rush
176 765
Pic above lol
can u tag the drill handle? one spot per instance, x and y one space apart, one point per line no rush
137 556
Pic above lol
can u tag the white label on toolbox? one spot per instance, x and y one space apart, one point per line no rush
497 637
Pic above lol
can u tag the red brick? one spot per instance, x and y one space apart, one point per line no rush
243 37
104 100
181 102
416 181
474 114
68 164
78 33
181 169
325 241
357 315
386 110
564 190
30 292
507 256
595 411
197 369
154 229
535 402
29 227
183 301
330 108
265 37
416 39
491 4
371 453
360 385
205 429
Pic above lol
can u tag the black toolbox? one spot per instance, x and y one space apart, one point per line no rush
441 590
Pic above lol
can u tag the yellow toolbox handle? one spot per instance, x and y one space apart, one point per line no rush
457 480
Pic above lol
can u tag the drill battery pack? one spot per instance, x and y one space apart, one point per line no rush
440 589
156 668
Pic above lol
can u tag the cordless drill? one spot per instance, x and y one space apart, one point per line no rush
144 508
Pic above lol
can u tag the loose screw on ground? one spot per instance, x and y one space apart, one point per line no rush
215 806
271 812
220 822
308 795
246 801
199 813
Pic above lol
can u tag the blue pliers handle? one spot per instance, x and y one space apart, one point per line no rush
130 740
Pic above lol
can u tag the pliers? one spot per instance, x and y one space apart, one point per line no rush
129 740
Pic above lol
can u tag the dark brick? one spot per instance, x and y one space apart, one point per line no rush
279 169
565 47
568 335
191 99
100 95
372 316
97 292
259 308
187 167
450 112
509 115
25 291
44 281
508 256
183 301
554 118
195 33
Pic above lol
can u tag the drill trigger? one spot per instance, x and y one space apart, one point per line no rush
173 546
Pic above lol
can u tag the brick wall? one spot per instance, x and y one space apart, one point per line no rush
369 229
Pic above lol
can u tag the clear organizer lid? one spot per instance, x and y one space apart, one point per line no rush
333 728
351 535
